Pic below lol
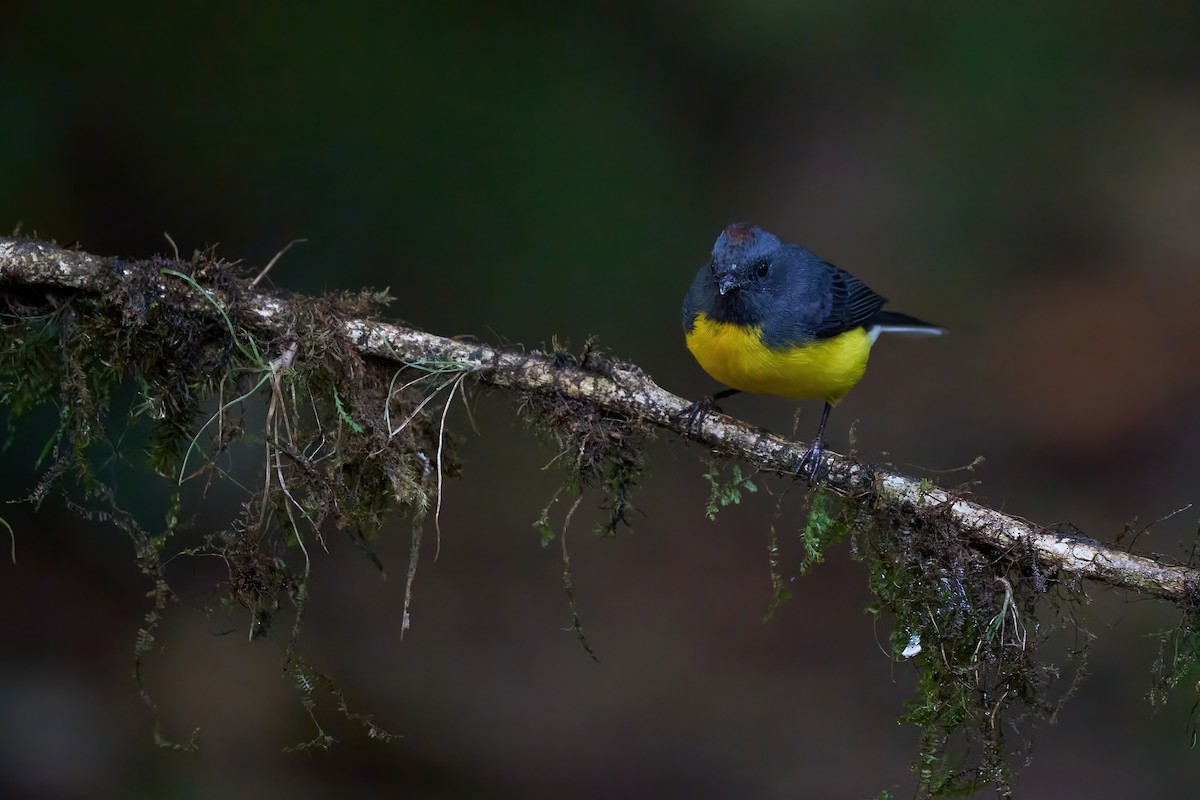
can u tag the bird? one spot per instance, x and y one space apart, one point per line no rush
769 317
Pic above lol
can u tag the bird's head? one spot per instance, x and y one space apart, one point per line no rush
742 257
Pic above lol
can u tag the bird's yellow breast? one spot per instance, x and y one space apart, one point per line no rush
823 369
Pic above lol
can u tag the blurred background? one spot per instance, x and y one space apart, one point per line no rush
1026 174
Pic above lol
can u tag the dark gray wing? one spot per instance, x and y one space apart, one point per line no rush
850 304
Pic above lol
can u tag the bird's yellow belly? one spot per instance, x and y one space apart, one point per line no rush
823 369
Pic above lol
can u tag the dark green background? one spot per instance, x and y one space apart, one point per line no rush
1027 174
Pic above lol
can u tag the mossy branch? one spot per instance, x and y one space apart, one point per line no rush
33 266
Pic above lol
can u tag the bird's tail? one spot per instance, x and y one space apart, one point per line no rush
895 322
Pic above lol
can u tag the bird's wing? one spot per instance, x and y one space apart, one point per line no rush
851 303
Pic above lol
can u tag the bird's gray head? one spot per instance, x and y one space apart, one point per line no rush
742 257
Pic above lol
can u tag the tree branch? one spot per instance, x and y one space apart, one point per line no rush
28 264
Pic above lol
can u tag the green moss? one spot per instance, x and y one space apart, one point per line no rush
203 381
969 624
1179 653
597 448
780 594
724 493
830 519
1176 662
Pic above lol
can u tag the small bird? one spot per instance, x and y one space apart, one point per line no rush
769 317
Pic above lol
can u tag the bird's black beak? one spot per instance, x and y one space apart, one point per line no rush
726 284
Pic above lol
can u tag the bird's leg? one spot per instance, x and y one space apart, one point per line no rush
693 416
810 465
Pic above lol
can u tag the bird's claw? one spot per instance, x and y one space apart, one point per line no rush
811 463
693 416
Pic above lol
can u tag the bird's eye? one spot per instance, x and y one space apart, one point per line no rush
762 269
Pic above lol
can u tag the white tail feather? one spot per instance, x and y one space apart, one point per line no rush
904 330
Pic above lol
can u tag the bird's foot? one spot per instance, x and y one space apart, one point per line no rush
693 416
811 464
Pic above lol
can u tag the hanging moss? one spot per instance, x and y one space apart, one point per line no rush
345 440
972 625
